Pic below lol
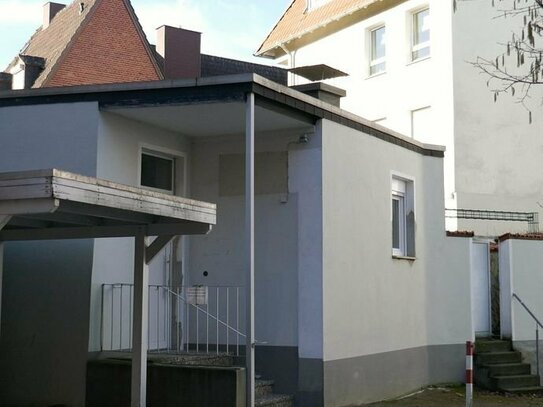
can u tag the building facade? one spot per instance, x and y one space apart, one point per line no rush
409 67
351 284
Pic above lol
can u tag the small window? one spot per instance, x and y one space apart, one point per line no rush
157 172
421 35
313 4
403 218
377 50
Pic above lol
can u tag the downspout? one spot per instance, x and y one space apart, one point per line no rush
291 63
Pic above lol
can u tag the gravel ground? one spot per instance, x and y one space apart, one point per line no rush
455 397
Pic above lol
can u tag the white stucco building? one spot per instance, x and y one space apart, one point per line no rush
360 295
408 67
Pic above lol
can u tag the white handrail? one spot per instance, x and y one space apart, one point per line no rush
116 318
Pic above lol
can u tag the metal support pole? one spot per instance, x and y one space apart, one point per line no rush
140 324
250 254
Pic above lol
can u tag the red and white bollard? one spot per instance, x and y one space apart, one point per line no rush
469 374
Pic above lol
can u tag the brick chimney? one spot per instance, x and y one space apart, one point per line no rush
50 10
181 52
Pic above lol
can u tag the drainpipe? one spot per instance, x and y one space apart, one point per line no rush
291 63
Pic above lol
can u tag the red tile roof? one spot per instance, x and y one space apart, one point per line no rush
55 43
296 21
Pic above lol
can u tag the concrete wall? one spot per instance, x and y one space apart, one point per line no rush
390 325
119 149
221 253
520 273
167 385
497 149
288 286
43 347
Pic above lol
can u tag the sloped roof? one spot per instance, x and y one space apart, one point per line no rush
297 21
52 43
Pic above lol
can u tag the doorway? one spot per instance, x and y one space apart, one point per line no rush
481 288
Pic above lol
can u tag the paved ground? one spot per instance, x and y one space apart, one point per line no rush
454 397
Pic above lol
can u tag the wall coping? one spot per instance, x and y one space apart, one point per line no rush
460 233
521 236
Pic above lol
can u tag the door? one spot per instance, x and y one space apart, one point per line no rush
480 288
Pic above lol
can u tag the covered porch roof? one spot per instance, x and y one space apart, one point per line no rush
214 106
53 204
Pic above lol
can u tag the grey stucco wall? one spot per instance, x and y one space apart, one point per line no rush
120 142
375 304
43 348
221 253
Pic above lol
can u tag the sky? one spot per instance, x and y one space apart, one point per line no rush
231 28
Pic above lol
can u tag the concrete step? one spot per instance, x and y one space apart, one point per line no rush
275 400
490 345
193 359
498 358
508 369
535 390
181 359
263 388
514 382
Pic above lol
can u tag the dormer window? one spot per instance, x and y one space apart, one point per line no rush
314 4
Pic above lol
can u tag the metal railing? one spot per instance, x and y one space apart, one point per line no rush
199 319
532 218
537 326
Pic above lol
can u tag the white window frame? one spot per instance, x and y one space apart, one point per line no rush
169 154
315 4
403 191
378 61
398 194
420 46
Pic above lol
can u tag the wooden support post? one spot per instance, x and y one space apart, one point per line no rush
250 245
139 326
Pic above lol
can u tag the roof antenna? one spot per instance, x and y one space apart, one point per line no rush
81 7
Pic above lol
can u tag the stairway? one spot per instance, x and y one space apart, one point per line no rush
500 368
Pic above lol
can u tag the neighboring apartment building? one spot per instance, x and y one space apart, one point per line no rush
102 41
408 69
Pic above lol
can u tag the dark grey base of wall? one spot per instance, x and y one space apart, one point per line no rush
381 376
108 385
280 364
310 383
